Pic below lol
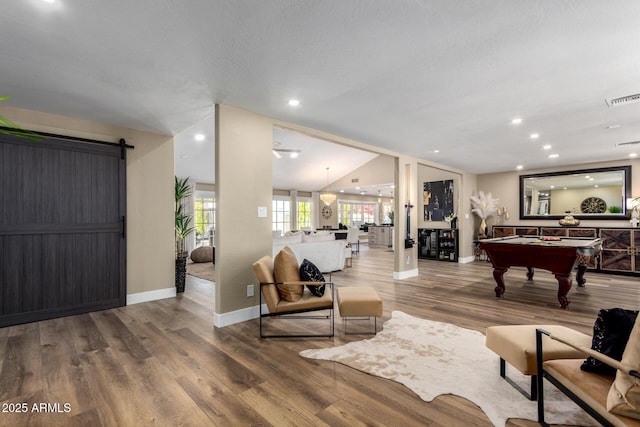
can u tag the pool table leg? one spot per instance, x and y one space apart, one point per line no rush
497 275
530 272
580 275
564 284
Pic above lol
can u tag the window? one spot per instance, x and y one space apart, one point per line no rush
357 213
204 217
281 219
304 213
387 211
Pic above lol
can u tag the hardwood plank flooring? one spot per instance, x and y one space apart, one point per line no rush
163 362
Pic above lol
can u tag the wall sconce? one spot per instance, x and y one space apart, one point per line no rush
503 213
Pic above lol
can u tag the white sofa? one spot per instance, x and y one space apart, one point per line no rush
321 249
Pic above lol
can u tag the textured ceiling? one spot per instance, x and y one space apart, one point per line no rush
408 75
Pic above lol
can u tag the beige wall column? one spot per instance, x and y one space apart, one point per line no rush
405 263
466 223
244 175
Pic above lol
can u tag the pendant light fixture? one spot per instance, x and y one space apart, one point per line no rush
327 197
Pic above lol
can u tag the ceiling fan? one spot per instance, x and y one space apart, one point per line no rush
279 152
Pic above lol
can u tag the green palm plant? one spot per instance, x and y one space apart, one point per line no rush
7 127
183 219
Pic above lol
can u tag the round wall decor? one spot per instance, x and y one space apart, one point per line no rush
327 212
593 205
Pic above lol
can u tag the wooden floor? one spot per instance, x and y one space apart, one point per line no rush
163 363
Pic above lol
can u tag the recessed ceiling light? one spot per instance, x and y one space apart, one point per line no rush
49 1
519 167
293 155
534 136
363 192
554 156
546 147
436 151
596 186
552 186
516 121
357 188
591 179
342 191
613 127
199 137
587 177
294 102
633 154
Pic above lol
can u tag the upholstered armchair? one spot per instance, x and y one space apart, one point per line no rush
278 306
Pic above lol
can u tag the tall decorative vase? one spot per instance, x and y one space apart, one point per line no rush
482 231
181 272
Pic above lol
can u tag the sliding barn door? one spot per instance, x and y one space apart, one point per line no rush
62 241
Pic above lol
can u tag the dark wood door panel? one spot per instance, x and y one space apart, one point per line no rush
551 231
615 260
615 239
503 231
62 249
582 232
527 231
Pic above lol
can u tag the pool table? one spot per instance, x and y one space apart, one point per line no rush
556 254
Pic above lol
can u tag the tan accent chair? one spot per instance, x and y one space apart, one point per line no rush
516 345
590 391
263 269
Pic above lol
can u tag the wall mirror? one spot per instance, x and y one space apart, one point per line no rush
586 194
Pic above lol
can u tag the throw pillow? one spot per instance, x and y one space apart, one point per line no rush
285 269
610 335
624 395
310 273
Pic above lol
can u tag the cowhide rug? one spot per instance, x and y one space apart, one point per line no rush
434 358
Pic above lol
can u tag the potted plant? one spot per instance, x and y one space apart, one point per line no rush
183 229
452 219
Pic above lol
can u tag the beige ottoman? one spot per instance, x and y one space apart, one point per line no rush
516 344
359 302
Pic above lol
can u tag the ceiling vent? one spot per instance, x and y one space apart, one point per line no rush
630 99
622 144
354 180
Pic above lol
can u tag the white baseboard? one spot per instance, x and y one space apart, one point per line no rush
151 295
467 259
399 275
242 315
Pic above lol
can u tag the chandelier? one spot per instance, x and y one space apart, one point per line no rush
327 197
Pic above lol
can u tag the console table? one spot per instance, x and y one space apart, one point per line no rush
620 246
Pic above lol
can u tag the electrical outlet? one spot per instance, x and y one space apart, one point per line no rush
249 290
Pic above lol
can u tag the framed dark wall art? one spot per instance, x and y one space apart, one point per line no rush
438 199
